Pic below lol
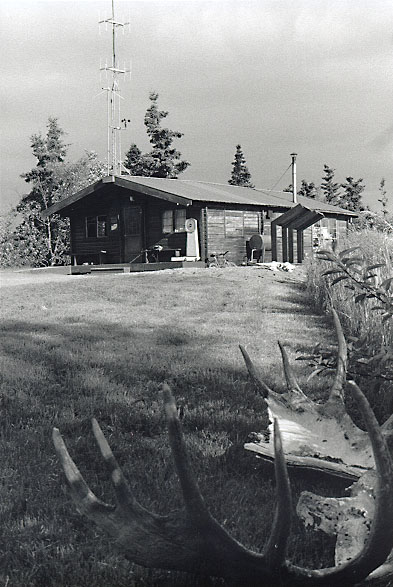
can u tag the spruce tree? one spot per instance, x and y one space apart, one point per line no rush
240 174
351 199
163 160
137 163
308 189
330 190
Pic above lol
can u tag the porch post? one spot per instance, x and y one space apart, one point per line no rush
273 232
290 245
284 231
300 246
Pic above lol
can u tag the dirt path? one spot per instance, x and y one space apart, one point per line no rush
51 274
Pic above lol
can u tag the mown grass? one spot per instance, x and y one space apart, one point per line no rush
101 346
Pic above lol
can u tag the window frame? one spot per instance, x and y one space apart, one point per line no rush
167 221
170 218
97 221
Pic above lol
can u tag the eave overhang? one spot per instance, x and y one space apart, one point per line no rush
128 184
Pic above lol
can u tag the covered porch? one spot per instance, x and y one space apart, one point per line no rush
296 220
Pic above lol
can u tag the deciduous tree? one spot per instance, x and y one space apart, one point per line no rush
27 237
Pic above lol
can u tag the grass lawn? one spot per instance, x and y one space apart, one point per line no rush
83 346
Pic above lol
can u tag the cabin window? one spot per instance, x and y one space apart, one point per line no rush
167 221
180 219
173 220
96 226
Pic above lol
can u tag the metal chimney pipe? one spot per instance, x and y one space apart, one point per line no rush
294 194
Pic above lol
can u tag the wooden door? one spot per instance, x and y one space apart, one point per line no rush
133 238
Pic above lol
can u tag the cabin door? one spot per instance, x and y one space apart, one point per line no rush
133 241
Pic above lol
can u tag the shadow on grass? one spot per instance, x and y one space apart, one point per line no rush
61 375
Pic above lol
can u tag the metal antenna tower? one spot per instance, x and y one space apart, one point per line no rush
113 99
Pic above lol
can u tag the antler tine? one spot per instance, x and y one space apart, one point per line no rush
290 378
193 499
84 498
122 489
275 549
259 384
336 392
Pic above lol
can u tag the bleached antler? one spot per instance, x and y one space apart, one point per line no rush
323 437
316 436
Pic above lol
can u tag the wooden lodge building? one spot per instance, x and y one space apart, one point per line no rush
123 220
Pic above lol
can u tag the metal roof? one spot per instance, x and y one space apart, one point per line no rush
299 217
186 192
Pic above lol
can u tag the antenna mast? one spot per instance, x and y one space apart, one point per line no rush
113 100
294 193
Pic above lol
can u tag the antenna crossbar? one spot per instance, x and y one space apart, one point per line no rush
113 22
114 69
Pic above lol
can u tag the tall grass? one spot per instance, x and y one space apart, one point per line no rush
364 325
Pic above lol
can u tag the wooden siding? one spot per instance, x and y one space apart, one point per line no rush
221 227
89 249
229 229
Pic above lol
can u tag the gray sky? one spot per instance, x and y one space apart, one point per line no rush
276 76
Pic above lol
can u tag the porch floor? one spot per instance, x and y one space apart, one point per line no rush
133 267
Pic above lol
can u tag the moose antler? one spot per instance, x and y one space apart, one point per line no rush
323 437
316 436
195 542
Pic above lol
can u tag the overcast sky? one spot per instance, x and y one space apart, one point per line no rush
277 76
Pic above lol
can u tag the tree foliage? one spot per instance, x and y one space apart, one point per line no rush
49 151
347 195
330 189
28 239
164 160
351 198
308 189
383 199
240 174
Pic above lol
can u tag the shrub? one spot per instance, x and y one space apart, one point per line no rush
358 282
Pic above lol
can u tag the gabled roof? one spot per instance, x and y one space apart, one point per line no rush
185 192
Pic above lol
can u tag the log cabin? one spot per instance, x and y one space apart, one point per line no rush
136 221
